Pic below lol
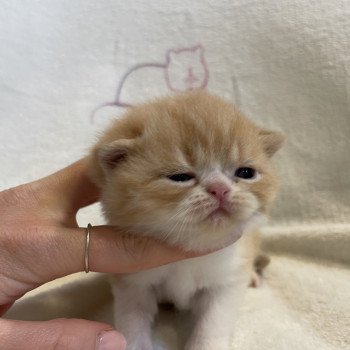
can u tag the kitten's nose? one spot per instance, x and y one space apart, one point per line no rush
219 190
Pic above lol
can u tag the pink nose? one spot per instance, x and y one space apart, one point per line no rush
218 189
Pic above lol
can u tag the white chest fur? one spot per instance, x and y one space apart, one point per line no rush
178 282
210 286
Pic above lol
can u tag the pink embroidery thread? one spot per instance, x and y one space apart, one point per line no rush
202 60
190 79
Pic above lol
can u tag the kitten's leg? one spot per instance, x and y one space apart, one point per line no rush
215 311
134 310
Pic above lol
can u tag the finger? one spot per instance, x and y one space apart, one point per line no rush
124 253
60 252
60 334
109 251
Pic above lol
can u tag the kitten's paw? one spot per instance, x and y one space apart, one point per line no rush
139 342
140 346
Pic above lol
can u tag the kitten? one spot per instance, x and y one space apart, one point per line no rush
193 171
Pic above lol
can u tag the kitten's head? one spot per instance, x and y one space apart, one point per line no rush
190 169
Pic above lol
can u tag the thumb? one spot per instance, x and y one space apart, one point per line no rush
59 334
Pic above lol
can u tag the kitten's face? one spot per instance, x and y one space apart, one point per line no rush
190 169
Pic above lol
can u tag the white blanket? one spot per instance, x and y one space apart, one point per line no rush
67 67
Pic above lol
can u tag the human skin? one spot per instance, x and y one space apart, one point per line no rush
40 241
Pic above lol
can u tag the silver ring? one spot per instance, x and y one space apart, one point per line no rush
87 244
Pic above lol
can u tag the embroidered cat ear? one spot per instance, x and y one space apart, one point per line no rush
199 49
272 141
111 154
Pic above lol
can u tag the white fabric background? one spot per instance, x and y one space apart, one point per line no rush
285 63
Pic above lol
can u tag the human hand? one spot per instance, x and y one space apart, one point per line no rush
41 241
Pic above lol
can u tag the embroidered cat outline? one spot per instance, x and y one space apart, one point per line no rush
184 69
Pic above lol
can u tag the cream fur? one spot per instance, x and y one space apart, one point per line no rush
200 134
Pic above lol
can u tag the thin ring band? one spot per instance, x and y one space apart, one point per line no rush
87 244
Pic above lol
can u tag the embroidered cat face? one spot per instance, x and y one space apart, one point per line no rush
190 169
186 69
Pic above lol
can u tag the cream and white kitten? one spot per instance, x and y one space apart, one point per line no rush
193 171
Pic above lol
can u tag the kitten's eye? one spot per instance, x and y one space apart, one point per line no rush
181 177
245 173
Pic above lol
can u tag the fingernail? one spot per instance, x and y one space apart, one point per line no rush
110 340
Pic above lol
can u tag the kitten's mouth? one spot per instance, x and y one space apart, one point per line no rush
219 213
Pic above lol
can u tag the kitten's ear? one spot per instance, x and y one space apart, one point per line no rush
111 154
272 141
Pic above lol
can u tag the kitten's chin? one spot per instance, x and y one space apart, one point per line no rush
218 216
217 232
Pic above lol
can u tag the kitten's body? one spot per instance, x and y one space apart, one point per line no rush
179 282
196 284
206 142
